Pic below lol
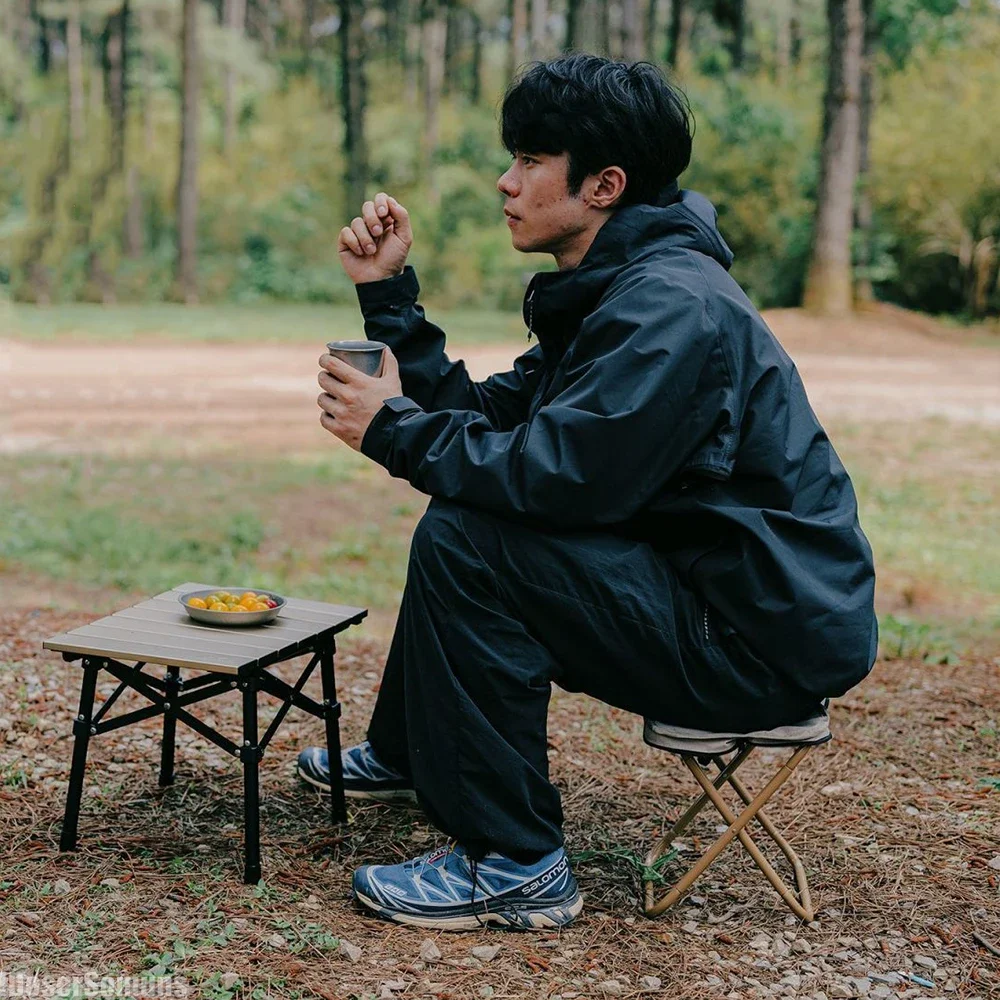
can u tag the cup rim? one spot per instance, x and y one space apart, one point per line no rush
355 345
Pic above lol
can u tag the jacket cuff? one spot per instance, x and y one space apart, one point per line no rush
395 292
377 440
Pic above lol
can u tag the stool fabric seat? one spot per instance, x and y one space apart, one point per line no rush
810 731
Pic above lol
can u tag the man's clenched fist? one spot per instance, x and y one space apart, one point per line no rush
375 244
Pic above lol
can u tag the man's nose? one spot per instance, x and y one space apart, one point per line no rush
504 185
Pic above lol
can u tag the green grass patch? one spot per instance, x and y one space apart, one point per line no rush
144 525
260 323
336 528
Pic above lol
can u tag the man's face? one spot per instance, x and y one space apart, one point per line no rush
541 214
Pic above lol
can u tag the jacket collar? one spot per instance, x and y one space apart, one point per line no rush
557 302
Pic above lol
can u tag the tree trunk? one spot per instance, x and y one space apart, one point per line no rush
133 214
308 19
43 45
634 45
782 43
234 14
828 282
187 178
795 33
863 215
452 46
435 31
517 52
539 48
115 68
652 31
414 57
476 70
353 96
738 41
682 14
74 69
572 24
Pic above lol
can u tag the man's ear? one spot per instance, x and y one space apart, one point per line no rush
609 186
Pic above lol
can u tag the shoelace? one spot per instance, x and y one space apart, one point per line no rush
474 869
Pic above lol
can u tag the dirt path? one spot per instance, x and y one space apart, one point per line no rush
134 398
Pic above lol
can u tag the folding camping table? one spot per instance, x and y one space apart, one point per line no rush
159 631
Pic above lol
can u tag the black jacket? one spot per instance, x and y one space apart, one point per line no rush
658 404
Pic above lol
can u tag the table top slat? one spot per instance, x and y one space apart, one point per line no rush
158 619
223 639
158 630
204 650
70 642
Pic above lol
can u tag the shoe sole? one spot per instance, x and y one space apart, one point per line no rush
395 796
514 918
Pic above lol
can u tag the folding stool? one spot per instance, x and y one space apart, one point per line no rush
698 749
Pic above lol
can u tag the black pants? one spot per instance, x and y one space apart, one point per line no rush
492 613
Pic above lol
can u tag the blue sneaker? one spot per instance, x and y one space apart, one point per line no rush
365 776
447 890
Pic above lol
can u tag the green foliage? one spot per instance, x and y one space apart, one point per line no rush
937 185
271 207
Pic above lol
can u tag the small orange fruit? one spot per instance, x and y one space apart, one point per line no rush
248 595
239 607
196 602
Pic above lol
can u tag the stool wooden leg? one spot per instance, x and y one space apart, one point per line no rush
802 907
250 756
81 729
736 829
664 844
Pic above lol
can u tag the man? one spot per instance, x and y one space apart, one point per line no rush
645 508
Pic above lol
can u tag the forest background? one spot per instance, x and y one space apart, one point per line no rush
210 150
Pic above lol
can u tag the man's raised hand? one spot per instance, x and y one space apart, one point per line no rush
375 244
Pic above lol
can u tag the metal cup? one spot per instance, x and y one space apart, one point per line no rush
365 355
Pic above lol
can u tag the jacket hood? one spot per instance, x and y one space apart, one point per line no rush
556 302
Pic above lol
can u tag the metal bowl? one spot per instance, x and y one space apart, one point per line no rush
231 618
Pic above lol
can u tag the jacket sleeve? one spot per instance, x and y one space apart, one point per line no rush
392 315
649 387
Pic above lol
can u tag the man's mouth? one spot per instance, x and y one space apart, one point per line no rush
510 215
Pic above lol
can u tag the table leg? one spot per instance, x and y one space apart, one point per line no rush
82 732
250 755
172 683
331 715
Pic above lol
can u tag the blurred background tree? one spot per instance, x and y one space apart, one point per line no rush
212 149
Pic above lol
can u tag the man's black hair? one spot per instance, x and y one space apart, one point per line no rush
602 113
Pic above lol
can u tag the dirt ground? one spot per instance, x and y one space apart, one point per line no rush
133 398
894 821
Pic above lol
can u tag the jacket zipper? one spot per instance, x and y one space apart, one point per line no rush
705 620
531 312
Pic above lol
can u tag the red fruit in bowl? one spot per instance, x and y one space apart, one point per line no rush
271 604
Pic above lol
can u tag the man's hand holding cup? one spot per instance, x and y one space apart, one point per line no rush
375 245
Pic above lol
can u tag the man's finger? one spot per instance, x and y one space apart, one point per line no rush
371 218
401 221
382 204
365 237
328 403
340 369
329 383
